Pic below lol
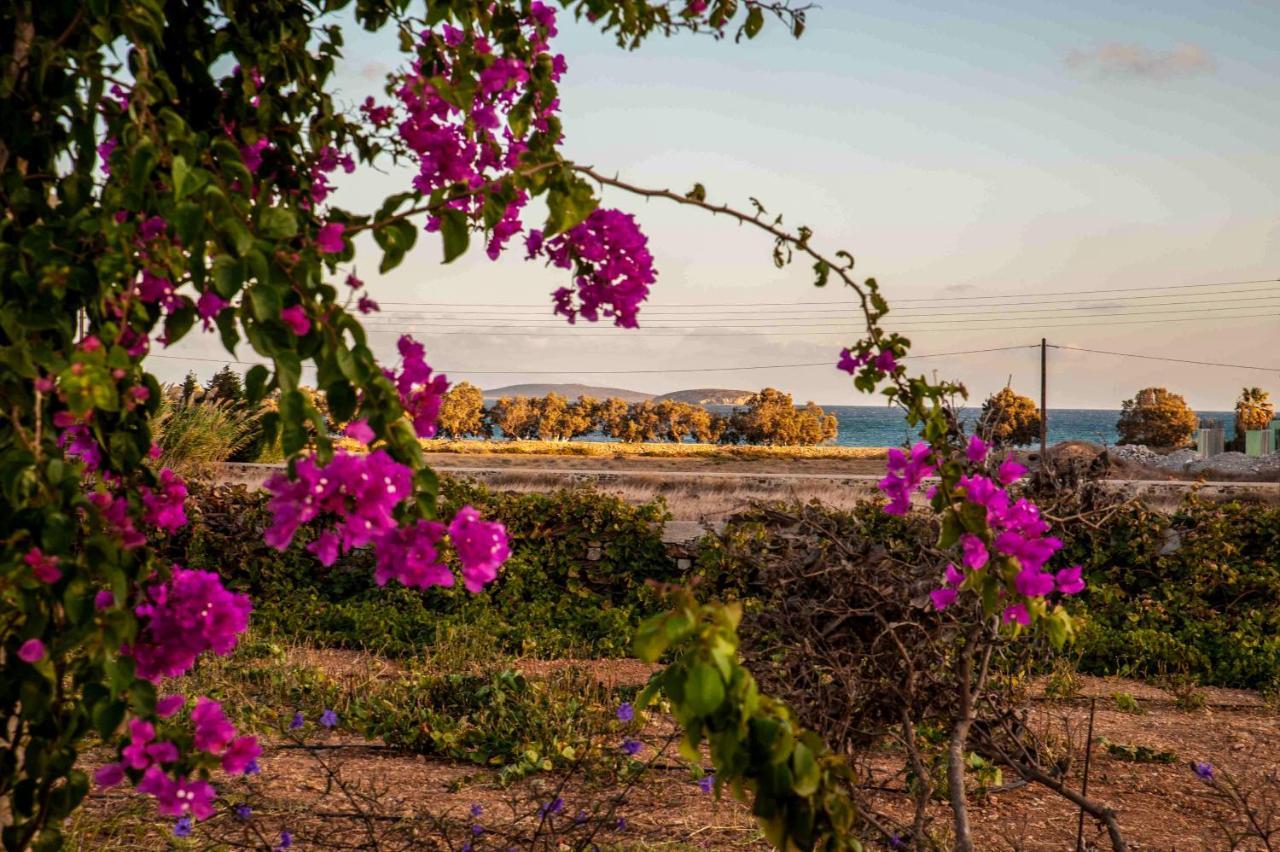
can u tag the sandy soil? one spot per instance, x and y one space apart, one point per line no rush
660 464
1159 805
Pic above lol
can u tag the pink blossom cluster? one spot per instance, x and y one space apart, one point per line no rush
181 619
164 506
475 146
885 361
153 287
905 472
327 161
411 556
77 441
421 393
1016 533
44 567
114 509
362 491
178 794
613 267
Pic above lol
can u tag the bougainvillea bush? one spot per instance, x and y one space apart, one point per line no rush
168 169
577 582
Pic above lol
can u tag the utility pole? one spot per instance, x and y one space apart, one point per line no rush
1044 407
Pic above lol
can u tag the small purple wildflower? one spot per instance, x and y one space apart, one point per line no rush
621 824
476 810
182 828
625 712
551 808
631 747
296 722
477 829
286 840
707 783
253 768
580 817
1203 771
244 811
328 718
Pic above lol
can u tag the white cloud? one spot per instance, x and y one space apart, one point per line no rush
1116 59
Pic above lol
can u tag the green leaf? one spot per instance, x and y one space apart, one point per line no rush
755 20
278 223
143 161
805 772
456 233
265 302
396 239
704 689
180 173
107 716
568 203
228 275
255 383
650 640
288 371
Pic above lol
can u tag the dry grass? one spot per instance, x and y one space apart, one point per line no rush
688 498
611 449
1160 806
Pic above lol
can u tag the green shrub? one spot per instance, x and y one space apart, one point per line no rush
575 583
1193 594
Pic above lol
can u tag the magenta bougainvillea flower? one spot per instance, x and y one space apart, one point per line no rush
183 618
329 238
295 316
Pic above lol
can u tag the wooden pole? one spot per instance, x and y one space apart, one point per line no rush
1044 407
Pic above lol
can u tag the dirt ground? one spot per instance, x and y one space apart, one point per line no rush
661 464
1160 805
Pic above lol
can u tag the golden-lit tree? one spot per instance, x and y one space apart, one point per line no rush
1254 410
516 416
462 413
1157 418
1009 419
770 417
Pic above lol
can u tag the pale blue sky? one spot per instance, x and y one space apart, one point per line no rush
954 149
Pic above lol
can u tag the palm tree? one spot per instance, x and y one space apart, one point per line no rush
1254 410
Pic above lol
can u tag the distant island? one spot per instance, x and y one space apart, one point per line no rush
696 396
571 391
708 396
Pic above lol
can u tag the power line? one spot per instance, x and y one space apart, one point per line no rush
1171 360
901 300
795 322
539 331
679 312
648 370
783 366
1103 290
810 313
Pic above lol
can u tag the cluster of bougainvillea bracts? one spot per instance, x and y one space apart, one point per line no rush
153 762
476 144
360 492
612 266
1014 547
182 618
164 506
421 392
905 472
884 361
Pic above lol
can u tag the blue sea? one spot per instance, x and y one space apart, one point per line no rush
865 426
868 426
